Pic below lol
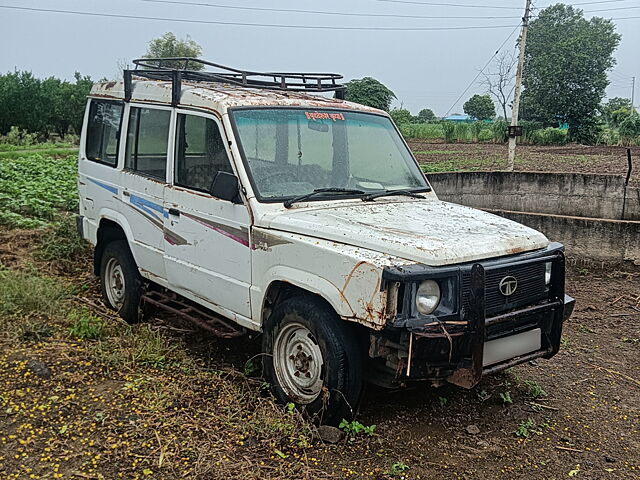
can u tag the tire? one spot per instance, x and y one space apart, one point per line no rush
121 281
298 330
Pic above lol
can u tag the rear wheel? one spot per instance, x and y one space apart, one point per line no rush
121 282
313 359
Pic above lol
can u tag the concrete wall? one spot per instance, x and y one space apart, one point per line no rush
581 211
601 240
573 194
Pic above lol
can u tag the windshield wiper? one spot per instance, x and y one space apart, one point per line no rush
288 203
413 192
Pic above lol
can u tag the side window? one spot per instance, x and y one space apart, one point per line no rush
147 137
200 152
103 131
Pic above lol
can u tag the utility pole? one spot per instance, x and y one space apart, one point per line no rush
518 88
633 93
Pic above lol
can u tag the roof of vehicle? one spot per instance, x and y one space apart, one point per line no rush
219 96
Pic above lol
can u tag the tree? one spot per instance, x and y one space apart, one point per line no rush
42 106
616 110
426 115
168 45
630 129
401 116
369 91
499 81
566 62
480 107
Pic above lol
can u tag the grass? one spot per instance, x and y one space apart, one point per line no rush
137 346
438 152
61 243
24 293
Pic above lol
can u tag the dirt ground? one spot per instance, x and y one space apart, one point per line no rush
440 157
68 411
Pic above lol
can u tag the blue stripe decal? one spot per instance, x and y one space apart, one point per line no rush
148 207
113 190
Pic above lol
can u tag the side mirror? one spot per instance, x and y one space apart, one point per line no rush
225 186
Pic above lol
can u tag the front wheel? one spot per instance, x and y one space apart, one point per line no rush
120 280
313 359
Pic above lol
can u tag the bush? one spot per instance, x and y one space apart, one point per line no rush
19 138
499 130
449 130
462 132
549 136
630 130
476 128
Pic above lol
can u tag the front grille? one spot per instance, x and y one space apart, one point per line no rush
531 287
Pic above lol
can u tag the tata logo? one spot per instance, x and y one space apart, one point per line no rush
508 286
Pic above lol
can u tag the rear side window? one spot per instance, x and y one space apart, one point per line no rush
200 152
147 137
103 131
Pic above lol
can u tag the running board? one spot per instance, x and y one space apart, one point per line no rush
200 316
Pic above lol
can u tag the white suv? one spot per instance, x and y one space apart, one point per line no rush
240 201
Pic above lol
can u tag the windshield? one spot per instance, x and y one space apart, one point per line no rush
292 152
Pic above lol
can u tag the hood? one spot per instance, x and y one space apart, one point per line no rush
429 231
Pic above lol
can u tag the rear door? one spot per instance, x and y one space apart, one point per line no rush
143 180
207 239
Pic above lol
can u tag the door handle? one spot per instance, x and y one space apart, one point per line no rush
174 211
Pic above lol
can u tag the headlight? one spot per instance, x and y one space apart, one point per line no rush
547 273
427 297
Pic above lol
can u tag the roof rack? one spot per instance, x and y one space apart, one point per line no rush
176 69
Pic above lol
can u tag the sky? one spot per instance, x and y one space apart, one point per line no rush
426 68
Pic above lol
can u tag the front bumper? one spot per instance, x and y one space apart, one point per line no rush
462 349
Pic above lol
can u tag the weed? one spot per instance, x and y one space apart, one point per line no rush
397 468
252 367
85 325
585 329
28 292
355 428
534 390
525 429
137 346
61 242
564 341
483 395
506 398
449 130
443 401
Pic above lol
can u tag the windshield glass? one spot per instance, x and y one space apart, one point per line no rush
292 152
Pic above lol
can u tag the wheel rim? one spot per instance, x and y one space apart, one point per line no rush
298 363
114 283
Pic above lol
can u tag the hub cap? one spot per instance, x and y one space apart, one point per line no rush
298 363
114 283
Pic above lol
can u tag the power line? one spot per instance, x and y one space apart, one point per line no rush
323 12
243 24
610 9
463 5
482 70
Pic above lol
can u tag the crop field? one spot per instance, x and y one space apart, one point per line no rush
85 396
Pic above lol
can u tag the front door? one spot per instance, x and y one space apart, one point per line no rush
206 239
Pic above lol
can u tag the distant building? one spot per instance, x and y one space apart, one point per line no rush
457 117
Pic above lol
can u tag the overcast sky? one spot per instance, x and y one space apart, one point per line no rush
426 68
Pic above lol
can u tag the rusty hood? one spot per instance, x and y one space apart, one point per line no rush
427 231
